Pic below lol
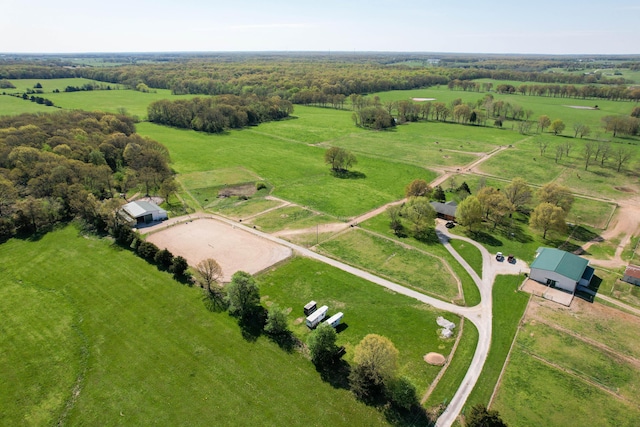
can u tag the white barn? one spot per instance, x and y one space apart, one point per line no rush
141 212
560 269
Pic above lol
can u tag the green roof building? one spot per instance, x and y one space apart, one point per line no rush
560 269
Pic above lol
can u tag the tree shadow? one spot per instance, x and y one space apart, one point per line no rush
582 234
416 415
336 372
215 300
346 174
484 238
252 323
286 341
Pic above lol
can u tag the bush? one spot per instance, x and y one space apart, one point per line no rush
260 185
164 259
147 250
179 266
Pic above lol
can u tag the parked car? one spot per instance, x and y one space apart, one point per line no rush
450 224
499 256
511 259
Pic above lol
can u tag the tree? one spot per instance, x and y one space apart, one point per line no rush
495 204
168 187
418 188
479 416
543 122
578 128
547 217
559 152
209 272
163 258
339 159
402 393
378 357
557 195
438 194
243 294
422 216
276 321
179 266
8 195
322 344
621 155
557 126
469 213
589 149
395 213
518 193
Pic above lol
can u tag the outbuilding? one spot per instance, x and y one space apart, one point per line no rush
142 212
445 210
632 275
560 269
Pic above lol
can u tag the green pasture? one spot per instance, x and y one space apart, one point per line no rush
290 217
237 208
508 307
120 342
533 393
409 267
49 85
296 172
113 101
12 106
470 253
582 359
217 178
380 224
367 308
625 292
457 367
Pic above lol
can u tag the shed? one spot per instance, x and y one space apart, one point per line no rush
445 210
141 212
632 275
560 269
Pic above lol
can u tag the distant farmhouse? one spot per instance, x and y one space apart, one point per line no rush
141 212
560 269
445 210
632 275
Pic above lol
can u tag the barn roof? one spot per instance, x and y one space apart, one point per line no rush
561 262
632 271
140 208
448 208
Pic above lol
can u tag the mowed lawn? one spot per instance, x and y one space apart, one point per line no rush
296 170
368 309
83 318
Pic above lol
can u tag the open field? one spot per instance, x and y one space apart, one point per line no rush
10 106
508 306
234 249
290 218
567 358
49 85
367 309
470 253
143 347
296 171
380 224
383 257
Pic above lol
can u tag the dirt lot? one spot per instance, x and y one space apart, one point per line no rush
233 248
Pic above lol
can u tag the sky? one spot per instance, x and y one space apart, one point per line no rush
534 27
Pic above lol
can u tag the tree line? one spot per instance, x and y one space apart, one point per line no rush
71 164
215 114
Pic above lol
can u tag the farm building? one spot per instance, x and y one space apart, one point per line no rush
445 210
560 269
632 275
141 212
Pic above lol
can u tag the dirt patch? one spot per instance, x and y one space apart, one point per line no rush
238 190
435 359
581 107
625 189
234 249
422 99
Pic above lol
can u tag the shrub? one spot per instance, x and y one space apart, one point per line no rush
163 259
147 250
260 185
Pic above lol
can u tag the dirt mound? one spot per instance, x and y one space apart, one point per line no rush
422 99
238 190
435 359
624 189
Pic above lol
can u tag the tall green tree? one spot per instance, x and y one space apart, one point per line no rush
557 195
421 215
276 321
243 294
322 344
469 213
547 217
480 416
339 159
518 193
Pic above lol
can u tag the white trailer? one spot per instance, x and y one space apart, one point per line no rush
317 316
335 319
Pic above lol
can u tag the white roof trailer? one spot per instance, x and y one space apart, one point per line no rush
335 319
317 316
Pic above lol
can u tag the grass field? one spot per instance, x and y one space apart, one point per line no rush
146 351
380 224
367 309
291 218
554 377
470 253
49 85
508 306
11 106
409 267
295 171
